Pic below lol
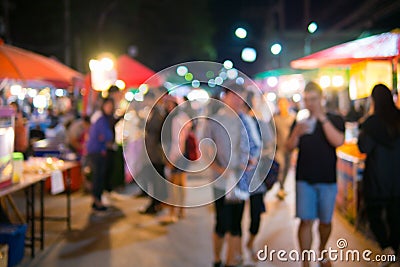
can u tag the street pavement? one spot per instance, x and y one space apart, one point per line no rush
123 237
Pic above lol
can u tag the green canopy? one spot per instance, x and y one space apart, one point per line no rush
279 72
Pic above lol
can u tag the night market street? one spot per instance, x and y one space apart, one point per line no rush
123 237
200 133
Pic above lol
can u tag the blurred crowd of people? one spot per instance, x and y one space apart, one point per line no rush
241 139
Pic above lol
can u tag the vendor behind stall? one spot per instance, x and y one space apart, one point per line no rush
76 134
21 136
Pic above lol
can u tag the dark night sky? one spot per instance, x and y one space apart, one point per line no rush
167 32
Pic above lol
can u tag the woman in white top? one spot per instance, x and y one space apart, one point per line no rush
177 128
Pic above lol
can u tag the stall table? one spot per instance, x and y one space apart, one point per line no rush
28 183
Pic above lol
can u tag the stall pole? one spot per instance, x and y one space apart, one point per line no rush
395 62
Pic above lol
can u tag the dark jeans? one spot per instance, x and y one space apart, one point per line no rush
98 168
384 221
115 170
257 207
284 169
228 217
151 177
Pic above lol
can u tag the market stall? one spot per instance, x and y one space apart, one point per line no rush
36 82
379 50
369 61
38 172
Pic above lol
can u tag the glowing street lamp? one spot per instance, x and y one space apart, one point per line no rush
103 73
241 33
249 54
276 49
312 27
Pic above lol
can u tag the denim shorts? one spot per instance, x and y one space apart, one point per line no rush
315 201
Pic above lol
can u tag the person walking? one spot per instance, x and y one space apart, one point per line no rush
177 127
100 137
152 170
379 138
259 135
283 121
224 128
316 189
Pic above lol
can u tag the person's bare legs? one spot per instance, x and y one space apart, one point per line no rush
324 233
218 242
174 178
171 217
181 193
178 195
250 248
234 247
305 237
250 242
284 167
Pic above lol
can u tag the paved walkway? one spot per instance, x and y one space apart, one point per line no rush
123 237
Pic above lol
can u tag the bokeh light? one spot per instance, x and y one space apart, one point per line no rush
239 81
211 83
120 84
195 83
181 70
296 98
276 49
232 74
325 81
271 97
337 81
312 27
228 64
272 81
129 96
188 77
219 80
249 54
241 33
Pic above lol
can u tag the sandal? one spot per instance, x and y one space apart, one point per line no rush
168 220
325 263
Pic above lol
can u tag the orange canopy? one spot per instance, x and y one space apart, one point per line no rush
377 47
20 64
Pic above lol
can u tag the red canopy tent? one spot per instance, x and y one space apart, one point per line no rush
385 46
132 72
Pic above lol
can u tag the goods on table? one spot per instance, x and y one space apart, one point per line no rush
42 165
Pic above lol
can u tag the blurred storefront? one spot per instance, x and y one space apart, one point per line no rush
363 63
